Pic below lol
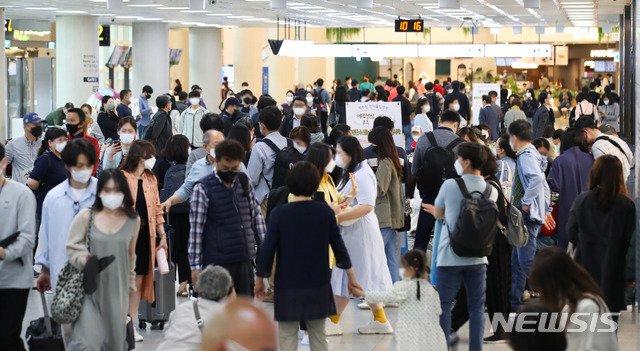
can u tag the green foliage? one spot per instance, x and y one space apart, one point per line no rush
338 35
466 31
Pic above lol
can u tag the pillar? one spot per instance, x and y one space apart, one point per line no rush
205 60
150 58
281 73
179 39
247 58
4 116
76 59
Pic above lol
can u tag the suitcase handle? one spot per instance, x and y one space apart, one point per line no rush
47 318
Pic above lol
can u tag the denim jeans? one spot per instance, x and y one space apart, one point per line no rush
521 261
408 139
546 241
141 130
425 224
434 253
474 278
389 237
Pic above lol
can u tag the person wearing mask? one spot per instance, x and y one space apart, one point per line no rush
541 117
144 117
586 108
215 237
506 164
515 112
215 289
159 132
92 128
210 121
389 207
463 101
22 151
454 106
197 88
372 156
190 120
247 109
287 107
338 107
422 120
312 107
323 96
354 93
602 144
405 107
174 114
452 269
601 229
116 152
530 105
572 291
200 169
108 263
57 116
125 100
182 101
490 117
16 258
247 123
230 113
48 170
494 104
312 124
297 287
76 120
531 194
366 84
434 102
360 231
108 119
293 120
610 112
301 139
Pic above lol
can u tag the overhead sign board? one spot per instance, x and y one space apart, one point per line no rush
104 35
413 26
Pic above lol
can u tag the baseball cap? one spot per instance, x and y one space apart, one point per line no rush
232 101
607 129
416 129
31 118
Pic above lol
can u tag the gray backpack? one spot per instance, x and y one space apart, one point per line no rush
515 231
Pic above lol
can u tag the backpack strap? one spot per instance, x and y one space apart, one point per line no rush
452 145
432 139
463 188
196 311
271 144
604 137
487 192
289 143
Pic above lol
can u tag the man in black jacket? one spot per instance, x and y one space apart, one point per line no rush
434 102
354 93
159 130
594 97
465 110
406 109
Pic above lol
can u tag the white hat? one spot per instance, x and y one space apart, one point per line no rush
416 129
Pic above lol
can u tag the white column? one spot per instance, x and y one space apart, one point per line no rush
76 59
150 58
247 58
3 86
205 60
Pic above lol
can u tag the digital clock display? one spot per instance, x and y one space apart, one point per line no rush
410 25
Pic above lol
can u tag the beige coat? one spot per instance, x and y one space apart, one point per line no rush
389 206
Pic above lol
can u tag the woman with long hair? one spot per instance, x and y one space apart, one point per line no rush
115 153
565 287
601 228
338 107
91 126
108 264
423 106
142 182
48 169
389 205
360 231
108 118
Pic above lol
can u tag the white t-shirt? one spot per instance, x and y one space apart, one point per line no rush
76 194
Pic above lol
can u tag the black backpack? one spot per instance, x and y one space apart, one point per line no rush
173 180
475 230
437 165
285 159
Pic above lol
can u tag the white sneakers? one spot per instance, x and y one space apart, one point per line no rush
137 335
375 327
305 340
364 306
332 329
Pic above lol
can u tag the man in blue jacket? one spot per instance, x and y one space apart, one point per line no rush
490 117
145 111
532 196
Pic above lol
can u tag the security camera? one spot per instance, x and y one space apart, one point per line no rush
113 20
448 28
212 2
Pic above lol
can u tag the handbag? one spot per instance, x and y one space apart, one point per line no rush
69 295
407 220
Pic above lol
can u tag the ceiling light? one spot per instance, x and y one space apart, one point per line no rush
151 19
256 19
240 17
192 23
103 14
145 5
195 11
173 8
128 17
41 8
71 11
171 21
220 14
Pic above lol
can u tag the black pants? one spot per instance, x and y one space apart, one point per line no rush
426 222
242 276
13 305
180 248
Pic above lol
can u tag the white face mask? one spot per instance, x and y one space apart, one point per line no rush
300 148
449 91
527 95
60 146
149 163
606 102
401 271
340 162
456 107
127 139
551 101
426 108
112 201
309 99
194 101
330 166
289 99
513 147
81 176
299 111
485 133
416 137
212 153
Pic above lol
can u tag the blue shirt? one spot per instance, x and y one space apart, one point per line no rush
49 170
123 110
449 199
260 168
145 111
58 211
537 196
490 117
199 170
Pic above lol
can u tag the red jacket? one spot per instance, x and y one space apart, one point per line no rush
95 144
439 89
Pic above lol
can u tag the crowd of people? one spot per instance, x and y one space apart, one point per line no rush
282 203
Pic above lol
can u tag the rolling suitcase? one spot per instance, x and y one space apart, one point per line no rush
164 285
44 334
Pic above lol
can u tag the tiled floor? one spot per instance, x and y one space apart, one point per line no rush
352 319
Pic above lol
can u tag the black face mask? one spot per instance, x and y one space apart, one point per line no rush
72 128
247 100
36 131
227 176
